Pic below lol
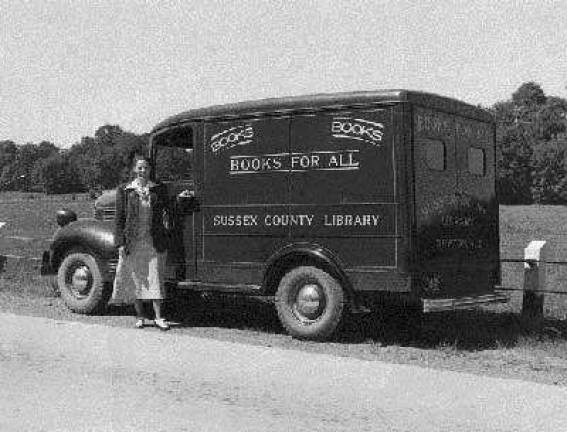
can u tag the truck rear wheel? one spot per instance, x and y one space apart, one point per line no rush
81 284
310 303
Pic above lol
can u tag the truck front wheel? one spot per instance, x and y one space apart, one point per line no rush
81 283
310 303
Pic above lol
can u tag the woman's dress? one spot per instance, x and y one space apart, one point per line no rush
139 275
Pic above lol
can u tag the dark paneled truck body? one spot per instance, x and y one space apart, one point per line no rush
327 203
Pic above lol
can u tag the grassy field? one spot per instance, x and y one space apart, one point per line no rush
518 226
30 220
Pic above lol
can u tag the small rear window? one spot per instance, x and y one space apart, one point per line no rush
435 155
476 161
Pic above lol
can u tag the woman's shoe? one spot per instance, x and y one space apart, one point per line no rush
162 324
139 323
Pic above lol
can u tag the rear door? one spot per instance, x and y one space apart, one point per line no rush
435 172
476 181
454 196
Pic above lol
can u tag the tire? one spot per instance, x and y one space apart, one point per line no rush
310 303
81 284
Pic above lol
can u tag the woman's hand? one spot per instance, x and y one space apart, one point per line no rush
186 201
186 194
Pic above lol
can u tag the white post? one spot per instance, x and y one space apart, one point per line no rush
535 256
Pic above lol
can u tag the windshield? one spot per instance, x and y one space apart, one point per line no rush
173 155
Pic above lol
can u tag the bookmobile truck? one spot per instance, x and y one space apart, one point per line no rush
321 202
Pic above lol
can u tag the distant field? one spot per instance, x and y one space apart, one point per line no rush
30 220
30 223
518 226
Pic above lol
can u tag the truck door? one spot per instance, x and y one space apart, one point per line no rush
173 155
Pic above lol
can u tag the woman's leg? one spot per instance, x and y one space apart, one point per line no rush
157 308
160 322
139 306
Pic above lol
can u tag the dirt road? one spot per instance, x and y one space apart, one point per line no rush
70 376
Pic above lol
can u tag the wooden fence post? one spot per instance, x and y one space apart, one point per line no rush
534 283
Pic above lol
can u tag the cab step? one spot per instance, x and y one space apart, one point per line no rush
449 304
218 287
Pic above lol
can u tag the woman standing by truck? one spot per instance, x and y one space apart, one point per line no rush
142 236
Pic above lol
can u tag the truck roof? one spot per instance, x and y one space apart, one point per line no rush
324 101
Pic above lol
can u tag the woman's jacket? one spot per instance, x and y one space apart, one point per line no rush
127 210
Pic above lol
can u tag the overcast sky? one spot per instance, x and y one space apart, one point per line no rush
68 67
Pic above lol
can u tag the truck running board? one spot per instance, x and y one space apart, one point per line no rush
439 305
217 287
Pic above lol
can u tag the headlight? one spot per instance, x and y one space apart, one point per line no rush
65 216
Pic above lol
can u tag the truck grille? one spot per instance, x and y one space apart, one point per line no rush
105 214
112 263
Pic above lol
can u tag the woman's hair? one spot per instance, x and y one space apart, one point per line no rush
135 157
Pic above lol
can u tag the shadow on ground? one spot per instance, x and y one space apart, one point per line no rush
393 325
471 330
226 311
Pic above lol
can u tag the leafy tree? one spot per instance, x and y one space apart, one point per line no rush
529 94
515 169
46 149
8 150
26 157
550 119
56 174
107 134
530 132
102 160
98 162
550 172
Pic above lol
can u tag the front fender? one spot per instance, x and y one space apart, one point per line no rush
90 234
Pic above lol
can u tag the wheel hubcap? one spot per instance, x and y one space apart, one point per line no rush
309 303
81 281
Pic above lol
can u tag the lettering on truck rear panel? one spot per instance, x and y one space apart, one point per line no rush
455 211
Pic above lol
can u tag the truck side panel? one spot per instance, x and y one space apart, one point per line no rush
244 181
326 178
344 177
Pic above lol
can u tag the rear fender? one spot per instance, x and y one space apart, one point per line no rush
305 254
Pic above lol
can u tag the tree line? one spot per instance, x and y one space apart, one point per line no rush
91 165
531 148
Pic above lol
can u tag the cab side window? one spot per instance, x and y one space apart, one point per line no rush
173 157
174 164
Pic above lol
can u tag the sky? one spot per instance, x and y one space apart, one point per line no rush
69 67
